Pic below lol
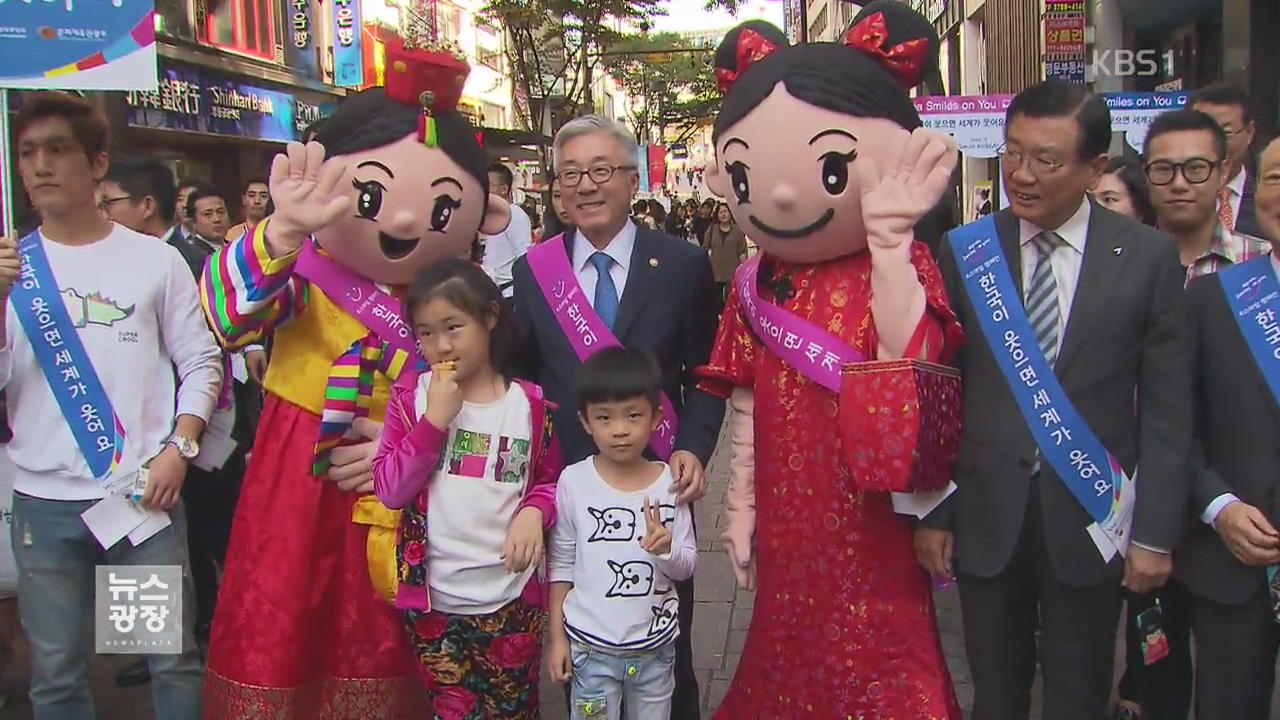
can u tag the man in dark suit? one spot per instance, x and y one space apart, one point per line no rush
1229 105
140 195
1106 299
1235 495
655 293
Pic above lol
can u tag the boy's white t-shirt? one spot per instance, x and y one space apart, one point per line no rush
623 599
137 312
472 500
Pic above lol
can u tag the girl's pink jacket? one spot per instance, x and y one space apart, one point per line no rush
410 452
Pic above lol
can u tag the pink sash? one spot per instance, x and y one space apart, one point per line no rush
583 328
373 307
814 352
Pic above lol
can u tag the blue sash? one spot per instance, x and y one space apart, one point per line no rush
1254 296
1091 473
37 301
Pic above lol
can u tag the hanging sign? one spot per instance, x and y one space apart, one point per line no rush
977 121
348 60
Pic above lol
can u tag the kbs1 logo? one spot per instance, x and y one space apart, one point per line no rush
1131 63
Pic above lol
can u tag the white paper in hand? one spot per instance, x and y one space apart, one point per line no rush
156 520
920 504
112 518
216 444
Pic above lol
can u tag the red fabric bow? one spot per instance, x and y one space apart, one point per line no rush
752 48
905 60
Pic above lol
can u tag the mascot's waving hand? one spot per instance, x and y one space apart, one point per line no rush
393 181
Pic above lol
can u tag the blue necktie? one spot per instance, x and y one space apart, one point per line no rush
606 299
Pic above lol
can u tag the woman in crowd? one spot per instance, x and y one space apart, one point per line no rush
727 245
1123 188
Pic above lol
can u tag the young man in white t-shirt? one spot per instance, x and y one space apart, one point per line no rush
619 543
129 317
502 250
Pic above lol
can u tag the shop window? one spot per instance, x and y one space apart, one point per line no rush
449 22
246 26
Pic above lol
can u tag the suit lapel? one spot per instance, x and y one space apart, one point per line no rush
642 277
1099 272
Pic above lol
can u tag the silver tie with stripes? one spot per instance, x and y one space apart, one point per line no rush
1042 297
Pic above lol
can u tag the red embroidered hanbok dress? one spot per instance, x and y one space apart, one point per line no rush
843 625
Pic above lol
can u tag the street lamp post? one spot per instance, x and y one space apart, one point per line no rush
804 21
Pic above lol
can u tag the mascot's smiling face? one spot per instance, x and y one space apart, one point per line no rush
797 193
410 205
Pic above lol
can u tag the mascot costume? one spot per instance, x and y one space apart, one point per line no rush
823 353
393 181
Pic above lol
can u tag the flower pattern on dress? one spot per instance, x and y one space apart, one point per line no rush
843 624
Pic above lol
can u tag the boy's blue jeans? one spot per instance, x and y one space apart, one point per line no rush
56 556
604 682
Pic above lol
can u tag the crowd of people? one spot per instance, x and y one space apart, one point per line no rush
457 469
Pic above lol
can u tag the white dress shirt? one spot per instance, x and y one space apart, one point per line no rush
1065 261
619 248
1236 189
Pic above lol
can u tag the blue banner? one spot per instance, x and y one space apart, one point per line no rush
203 102
348 60
1254 296
1087 469
98 45
300 40
65 363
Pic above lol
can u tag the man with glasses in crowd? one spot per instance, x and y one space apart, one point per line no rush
1229 106
1187 167
1101 298
650 291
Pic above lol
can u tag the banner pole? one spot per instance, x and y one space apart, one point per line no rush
7 193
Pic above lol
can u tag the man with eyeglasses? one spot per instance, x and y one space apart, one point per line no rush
1229 106
1091 302
1187 165
607 281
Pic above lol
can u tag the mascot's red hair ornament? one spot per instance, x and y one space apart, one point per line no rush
392 182
822 352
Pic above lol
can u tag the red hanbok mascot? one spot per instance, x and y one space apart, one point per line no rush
394 180
823 161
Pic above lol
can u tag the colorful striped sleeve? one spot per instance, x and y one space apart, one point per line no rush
246 293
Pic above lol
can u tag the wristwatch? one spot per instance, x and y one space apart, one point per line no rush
188 448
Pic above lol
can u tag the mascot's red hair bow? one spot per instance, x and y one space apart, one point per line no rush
752 48
905 60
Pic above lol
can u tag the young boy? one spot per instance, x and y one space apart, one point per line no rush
619 542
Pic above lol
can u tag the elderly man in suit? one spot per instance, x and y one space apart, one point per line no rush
1231 551
651 291
1104 312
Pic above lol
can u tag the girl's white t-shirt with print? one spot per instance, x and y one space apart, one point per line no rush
472 500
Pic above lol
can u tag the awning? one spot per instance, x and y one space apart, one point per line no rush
1145 15
499 137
